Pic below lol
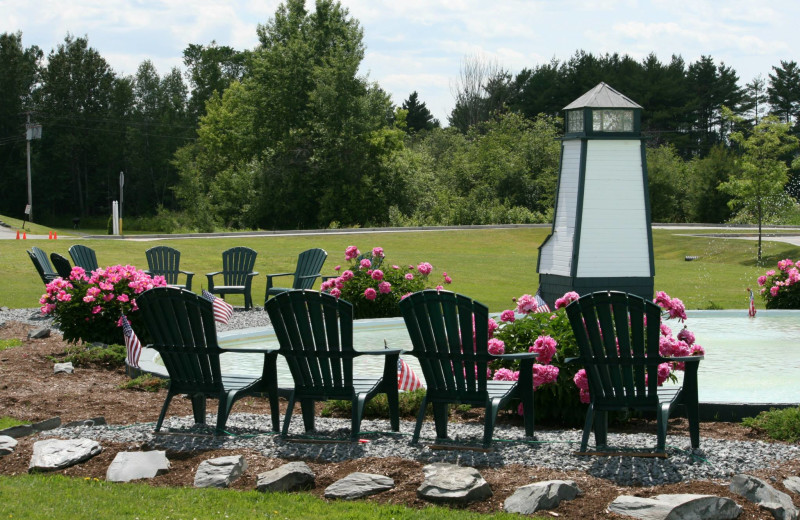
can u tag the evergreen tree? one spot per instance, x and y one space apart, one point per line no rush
418 117
784 91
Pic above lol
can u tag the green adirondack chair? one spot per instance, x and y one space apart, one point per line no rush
84 257
237 274
315 332
618 334
309 265
181 325
437 321
61 265
42 265
165 261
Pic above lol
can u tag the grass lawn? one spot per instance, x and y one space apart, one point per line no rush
490 265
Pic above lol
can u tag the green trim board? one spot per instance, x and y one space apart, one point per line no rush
646 186
555 211
576 236
553 286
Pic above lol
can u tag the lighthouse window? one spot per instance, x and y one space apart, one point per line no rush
612 120
575 121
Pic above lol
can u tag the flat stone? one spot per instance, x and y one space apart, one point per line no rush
134 465
219 472
53 454
676 507
293 476
358 485
451 483
23 430
47 424
40 333
534 497
65 368
792 484
760 492
94 421
7 444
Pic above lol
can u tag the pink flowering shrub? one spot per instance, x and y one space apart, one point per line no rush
89 307
780 288
374 286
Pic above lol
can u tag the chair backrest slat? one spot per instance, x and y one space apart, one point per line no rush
164 261
237 263
84 257
309 262
61 265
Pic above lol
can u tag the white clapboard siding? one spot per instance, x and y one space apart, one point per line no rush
556 255
613 238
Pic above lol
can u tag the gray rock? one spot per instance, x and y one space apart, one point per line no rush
219 472
23 430
53 454
792 484
528 499
47 424
451 483
676 507
65 368
133 465
7 444
94 421
293 476
41 333
759 492
358 485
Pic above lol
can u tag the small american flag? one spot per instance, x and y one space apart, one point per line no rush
132 343
541 305
752 310
407 380
222 309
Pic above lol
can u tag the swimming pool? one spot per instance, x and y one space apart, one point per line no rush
748 360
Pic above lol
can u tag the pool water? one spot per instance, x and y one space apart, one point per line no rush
748 360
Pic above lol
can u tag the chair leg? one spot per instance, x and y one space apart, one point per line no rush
226 400
288 417
307 405
601 429
164 410
693 414
199 408
587 427
358 412
394 407
492 407
440 419
420 418
661 427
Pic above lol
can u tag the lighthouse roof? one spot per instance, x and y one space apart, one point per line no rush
603 96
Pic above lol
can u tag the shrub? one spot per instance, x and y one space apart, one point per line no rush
89 308
780 289
408 404
782 425
374 287
105 356
146 383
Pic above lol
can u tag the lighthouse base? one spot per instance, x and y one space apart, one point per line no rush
552 287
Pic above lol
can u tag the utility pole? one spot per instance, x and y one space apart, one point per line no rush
32 131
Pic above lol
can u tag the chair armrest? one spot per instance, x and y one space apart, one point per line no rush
254 273
148 272
278 274
572 359
309 276
251 350
187 273
686 359
381 352
519 355
327 277
214 273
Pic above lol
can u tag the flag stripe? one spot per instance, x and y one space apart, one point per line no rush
541 305
407 380
132 344
222 309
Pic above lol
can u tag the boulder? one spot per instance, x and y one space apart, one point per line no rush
39 333
219 472
451 483
358 485
676 507
54 454
759 492
293 476
63 368
792 484
134 465
94 421
7 444
526 500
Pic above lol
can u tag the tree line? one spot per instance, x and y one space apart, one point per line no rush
290 135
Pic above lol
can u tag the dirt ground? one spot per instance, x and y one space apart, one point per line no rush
30 391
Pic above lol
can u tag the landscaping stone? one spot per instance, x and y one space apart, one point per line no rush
94 421
47 424
41 333
452 483
528 499
676 507
23 430
759 492
7 444
134 465
53 454
358 485
65 368
219 472
792 484
293 476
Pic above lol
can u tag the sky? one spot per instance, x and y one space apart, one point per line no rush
421 44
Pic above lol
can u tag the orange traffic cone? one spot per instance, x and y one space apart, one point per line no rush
24 235
18 234
55 235
50 236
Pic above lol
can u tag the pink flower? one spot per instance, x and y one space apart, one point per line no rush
507 316
406 295
664 370
337 268
581 380
662 300
96 309
347 275
496 347
377 252
385 287
545 346
64 296
326 285
439 287
370 294
526 304
676 309
771 272
395 267
377 275
447 279
351 253
492 325
409 276
366 263
336 293
774 290
425 268
78 273
762 280
504 374
544 374
108 297
687 336
567 299
665 331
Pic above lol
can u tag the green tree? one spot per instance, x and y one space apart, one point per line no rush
763 173
668 182
784 91
211 68
418 116
706 202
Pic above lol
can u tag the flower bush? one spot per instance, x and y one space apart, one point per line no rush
779 288
89 307
374 286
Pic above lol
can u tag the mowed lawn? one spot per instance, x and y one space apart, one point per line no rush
490 265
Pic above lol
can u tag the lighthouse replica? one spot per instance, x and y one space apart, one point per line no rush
601 237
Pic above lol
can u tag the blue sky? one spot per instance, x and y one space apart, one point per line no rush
420 44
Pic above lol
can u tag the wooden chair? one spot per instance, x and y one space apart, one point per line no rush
237 274
61 265
456 373
309 265
618 334
181 325
42 265
315 331
84 257
165 261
